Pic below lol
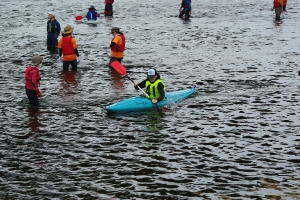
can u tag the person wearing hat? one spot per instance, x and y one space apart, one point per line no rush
32 80
67 46
117 45
108 10
92 14
53 31
155 87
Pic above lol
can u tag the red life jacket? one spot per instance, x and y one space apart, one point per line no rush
28 79
119 48
276 4
109 1
67 47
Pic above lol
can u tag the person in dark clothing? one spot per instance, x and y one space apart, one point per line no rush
53 31
185 9
155 87
108 7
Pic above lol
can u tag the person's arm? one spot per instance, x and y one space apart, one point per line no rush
57 25
161 90
33 75
141 84
76 52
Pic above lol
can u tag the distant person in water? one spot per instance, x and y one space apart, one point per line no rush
92 14
284 5
68 53
108 11
32 80
53 31
185 9
117 45
155 87
278 7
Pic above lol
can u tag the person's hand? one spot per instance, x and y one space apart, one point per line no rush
135 84
39 94
78 59
154 101
59 59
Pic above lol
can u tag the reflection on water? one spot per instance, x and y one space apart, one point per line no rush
117 79
69 82
33 118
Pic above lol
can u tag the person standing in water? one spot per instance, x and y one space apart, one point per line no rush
92 14
32 80
108 11
278 7
68 48
155 87
185 9
117 45
53 31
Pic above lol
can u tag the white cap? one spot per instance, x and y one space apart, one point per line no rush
51 13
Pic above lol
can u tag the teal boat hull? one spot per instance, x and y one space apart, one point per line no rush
142 103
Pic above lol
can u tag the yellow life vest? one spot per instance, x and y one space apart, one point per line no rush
152 88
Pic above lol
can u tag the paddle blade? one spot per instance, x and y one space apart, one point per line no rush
118 67
79 17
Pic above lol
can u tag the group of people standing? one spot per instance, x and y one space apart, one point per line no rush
69 55
279 6
66 48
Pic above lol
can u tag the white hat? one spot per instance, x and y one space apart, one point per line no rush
51 13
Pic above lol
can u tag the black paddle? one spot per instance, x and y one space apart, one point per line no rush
121 69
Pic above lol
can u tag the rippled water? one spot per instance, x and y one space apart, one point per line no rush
236 138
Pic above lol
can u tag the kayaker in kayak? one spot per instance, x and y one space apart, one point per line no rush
155 87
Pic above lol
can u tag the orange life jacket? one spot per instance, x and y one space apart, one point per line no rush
67 47
119 48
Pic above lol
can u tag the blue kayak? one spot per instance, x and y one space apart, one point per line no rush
143 103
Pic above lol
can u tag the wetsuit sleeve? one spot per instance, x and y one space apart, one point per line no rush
57 29
76 52
60 52
161 90
112 44
141 84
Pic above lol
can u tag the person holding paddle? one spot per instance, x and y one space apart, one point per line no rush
117 45
68 48
32 80
155 87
